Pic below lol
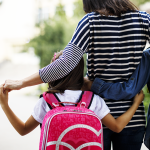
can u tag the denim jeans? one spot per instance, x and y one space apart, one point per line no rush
127 139
126 90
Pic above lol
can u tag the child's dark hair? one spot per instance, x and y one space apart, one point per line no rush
73 81
108 7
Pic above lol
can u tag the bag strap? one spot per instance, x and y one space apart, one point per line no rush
86 99
52 100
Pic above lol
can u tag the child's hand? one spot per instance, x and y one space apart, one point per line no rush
139 98
56 55
3 96
12 85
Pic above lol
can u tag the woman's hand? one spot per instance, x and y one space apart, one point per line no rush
3 96
32 80
12 85
139 98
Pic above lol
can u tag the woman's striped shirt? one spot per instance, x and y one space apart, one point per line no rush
114 46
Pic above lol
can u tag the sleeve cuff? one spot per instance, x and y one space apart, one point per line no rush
97 85
41 75
105 113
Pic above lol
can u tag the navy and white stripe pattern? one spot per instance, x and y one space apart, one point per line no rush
114 46
62 66
117 108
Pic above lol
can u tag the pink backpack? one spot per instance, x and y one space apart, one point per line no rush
71 127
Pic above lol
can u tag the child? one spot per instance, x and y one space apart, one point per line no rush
67 89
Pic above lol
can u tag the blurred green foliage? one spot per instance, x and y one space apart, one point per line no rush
54 35
146 98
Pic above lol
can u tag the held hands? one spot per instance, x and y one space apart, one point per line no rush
3 96
139 98
12 85
29 81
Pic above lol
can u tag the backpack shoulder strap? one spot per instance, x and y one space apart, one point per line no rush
51 99
86 99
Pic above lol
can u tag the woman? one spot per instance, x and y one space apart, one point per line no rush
114 34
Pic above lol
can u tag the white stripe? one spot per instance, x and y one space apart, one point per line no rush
114 64
117 78
115 48
118 21
84 45
121 106
134 116
139 125
114 53
124 111
114 31
128 41
109 69
137 120
82 39
81 23
115 102
80 33
112 48
109 75
110 59
116 26
113 36
125 14
135 125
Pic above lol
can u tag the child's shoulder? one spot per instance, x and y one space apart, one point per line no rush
97 97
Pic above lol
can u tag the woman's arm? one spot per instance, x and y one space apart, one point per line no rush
72 54
19 84
21 127
119 123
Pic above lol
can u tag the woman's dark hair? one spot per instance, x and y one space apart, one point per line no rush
108 7
73 81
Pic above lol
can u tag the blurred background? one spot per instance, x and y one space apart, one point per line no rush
30 32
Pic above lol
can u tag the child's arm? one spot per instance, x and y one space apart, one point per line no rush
119 123
21 127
